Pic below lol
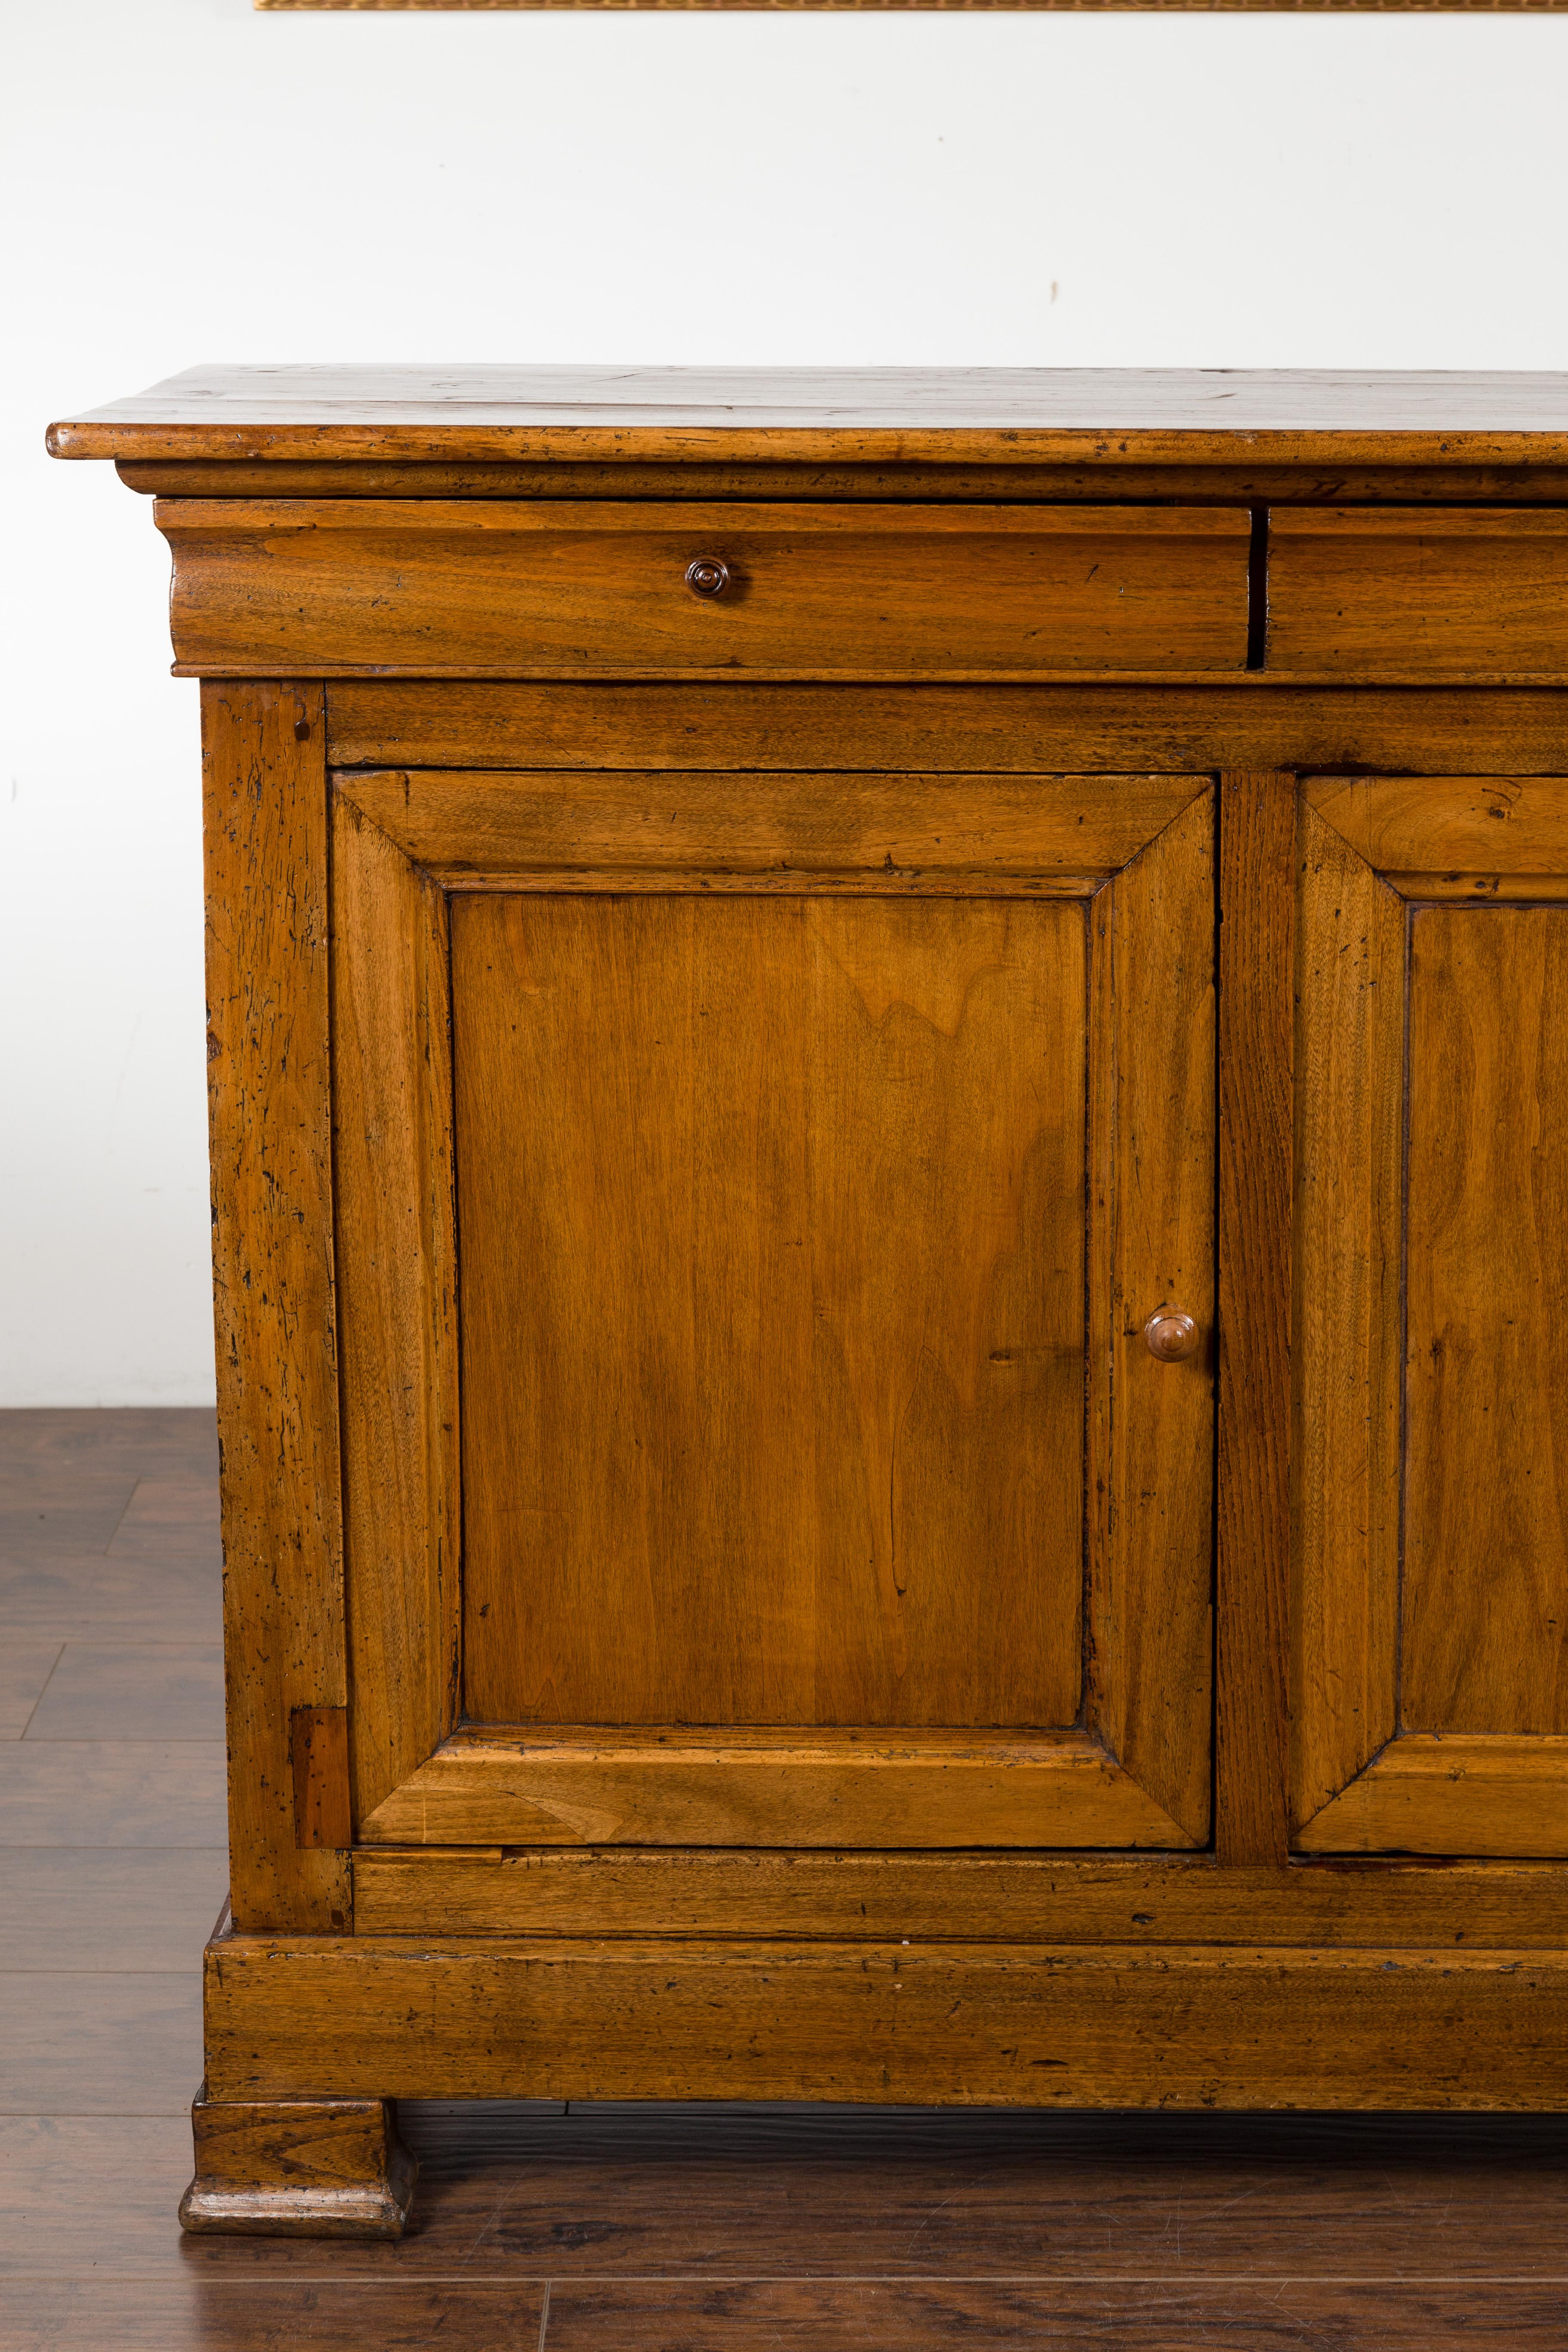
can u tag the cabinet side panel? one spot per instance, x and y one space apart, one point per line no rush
1347 1337
263 749
397 1302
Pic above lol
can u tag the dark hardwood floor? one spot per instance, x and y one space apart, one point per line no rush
603 2228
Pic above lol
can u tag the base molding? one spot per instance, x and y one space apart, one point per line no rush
1029 2025
297 2168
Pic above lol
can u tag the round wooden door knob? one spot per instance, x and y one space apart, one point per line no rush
708 575
1172 1336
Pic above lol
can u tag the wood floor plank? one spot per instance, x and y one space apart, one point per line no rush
76 1792
1395 2316
72 1438
729 2195
628 2190
123 1691
141 1909
24 1668
94 2044
198 2312
42 1514
106 1596
171 1516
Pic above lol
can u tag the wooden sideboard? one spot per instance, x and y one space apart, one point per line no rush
888 1063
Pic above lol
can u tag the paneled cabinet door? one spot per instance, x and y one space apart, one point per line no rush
1430 1700
821 1148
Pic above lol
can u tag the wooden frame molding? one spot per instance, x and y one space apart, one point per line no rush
1365 1778
681 1789
1139 851
1454 1793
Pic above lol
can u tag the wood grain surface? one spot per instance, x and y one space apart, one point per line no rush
773 1326
1458 1793
967 1897
1485 1625
1319 416
307 2168
396 1249
466 588
1151 1427
1069 2026
499 829
1098 473
681 1788
1255 1161
1428 1586
1407 593
1347 1312
1248 720
270 1123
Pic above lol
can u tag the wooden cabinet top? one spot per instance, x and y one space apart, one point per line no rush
968 417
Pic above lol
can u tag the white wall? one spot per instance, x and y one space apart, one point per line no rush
191 181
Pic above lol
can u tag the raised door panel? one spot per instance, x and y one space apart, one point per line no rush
821 1148
772 1308
1432 1524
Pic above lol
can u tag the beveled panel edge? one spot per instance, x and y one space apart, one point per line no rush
1499 1795
678 1787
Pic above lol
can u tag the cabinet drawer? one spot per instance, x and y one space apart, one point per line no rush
345 587
1407 593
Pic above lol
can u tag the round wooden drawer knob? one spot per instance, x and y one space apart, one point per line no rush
1172 1336
708 575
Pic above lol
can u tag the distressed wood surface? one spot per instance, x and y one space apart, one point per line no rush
318 1753
467 588
1256 980
265 823
957 2024
396 1243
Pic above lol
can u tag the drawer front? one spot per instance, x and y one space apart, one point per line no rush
1413 593
432 588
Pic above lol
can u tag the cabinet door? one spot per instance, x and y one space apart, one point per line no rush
822 1147
1431 1521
